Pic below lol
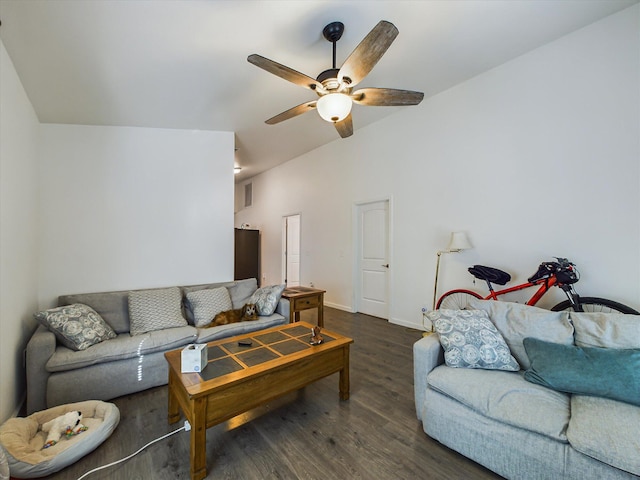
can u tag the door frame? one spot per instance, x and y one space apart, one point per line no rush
355 235
283 249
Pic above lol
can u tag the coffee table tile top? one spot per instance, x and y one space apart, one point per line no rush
289 347
215 352
227 357
272 337
223 366
256 356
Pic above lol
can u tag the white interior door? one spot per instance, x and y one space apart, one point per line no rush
292 250
373 259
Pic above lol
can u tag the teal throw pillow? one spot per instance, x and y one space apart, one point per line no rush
602 372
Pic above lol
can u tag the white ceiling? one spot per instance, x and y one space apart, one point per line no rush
182 63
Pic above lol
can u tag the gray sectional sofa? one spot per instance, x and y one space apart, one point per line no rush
521 429
130 362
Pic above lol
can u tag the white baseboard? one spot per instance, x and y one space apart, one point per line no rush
344 308
404 323
395 321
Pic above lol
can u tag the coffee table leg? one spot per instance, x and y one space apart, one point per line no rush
321 311
344 375
173 410
198 440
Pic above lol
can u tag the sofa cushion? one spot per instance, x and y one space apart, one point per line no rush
470 340
205 286
223 331
155 309
266 299
609 330
241 291
188 312
606 430
206 304
505 397
604 372
113 307
516 321
122 347
77 326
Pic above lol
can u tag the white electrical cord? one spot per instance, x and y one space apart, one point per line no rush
186 428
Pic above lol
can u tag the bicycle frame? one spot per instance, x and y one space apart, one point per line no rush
545 285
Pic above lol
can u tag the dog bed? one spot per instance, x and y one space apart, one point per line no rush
23 438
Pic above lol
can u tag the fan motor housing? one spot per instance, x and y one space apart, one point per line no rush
329 79
328 74
333 31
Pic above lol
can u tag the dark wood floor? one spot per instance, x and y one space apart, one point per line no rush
309 434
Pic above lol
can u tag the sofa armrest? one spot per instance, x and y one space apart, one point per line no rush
427 355
283 308
40 348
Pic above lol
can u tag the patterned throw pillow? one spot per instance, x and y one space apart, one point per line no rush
77 326
157 309
266 299
206 304
470 340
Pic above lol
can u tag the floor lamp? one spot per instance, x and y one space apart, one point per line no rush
458 242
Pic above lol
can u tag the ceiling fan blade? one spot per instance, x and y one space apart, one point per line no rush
368 52
292 112
386 97
283 71
345 127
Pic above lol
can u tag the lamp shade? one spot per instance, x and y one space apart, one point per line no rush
459 241
334 107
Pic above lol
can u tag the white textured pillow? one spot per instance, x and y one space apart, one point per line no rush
206 304
470 340
157 309
266 299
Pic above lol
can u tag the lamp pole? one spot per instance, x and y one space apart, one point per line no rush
458 242
435 288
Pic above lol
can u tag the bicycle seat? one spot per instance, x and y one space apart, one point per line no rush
490 274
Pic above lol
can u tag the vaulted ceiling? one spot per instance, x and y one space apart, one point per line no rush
183 63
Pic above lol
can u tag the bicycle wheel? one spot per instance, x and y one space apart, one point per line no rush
595 304
457 299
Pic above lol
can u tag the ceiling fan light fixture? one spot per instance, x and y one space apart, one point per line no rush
334 107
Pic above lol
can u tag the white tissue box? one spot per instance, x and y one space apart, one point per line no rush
194 358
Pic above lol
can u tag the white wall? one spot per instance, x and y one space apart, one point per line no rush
536 158
126 208
18 231
87 208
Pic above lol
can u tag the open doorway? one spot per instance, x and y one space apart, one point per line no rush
291 250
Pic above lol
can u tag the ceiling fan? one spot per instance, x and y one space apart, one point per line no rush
334 86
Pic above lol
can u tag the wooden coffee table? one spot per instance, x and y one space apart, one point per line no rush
239 378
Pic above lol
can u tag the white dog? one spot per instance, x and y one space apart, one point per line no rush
68 424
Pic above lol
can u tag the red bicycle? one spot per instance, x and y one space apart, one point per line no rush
562 274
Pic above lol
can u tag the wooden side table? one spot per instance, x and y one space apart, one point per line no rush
304 298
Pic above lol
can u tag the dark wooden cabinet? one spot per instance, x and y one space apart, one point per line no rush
247 254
